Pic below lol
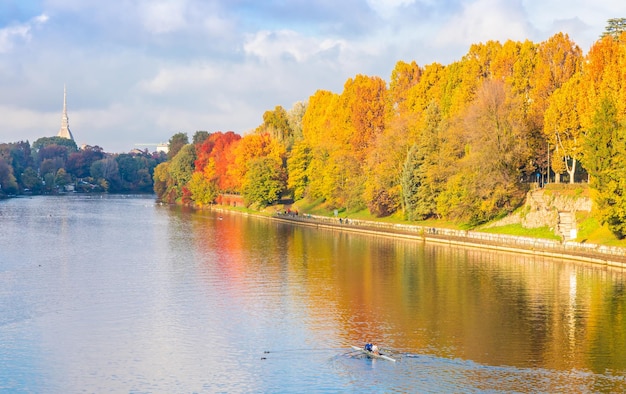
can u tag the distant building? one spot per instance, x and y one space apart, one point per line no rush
161 147
65 124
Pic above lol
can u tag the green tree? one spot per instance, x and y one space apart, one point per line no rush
176 142
31 181
62 178
8 183
199 137
162 180
264 182
60 141
410 183
182 167
605 160
418 180
135 172
17 155
202 185
48 182
614 28
106 172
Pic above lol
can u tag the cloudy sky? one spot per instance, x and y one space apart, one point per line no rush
138 71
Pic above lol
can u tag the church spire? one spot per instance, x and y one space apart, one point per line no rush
65 126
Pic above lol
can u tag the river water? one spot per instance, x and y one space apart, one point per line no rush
120 294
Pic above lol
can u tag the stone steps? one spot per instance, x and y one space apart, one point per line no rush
567 225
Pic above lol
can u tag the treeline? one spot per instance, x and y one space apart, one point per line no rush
461 142
55 164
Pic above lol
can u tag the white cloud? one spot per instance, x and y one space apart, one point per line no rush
177 78
275 45
387 8
485 20
163 16
22 31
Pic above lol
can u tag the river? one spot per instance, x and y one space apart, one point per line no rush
120 294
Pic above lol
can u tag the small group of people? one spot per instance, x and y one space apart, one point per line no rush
370 347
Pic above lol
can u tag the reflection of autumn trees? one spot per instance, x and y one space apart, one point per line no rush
459 141
471 304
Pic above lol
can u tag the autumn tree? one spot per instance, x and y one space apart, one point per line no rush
217 151
364 99
297 168
403 77
556 61
276 124
563 129
79 163
383 190
603 73
250 147
488 180
294 118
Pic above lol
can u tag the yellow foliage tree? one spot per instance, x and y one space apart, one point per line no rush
562 127
250 147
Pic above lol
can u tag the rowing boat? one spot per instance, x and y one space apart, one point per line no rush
373 355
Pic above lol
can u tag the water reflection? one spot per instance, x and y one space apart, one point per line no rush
492 308
118 294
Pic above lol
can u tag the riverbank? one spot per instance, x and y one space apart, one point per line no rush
585 252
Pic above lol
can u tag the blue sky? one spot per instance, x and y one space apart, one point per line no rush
138 71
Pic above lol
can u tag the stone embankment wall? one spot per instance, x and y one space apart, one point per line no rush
598 254
557 212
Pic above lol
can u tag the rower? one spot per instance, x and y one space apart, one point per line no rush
375 350
372 348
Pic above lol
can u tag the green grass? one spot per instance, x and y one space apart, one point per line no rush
591 231
518 230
